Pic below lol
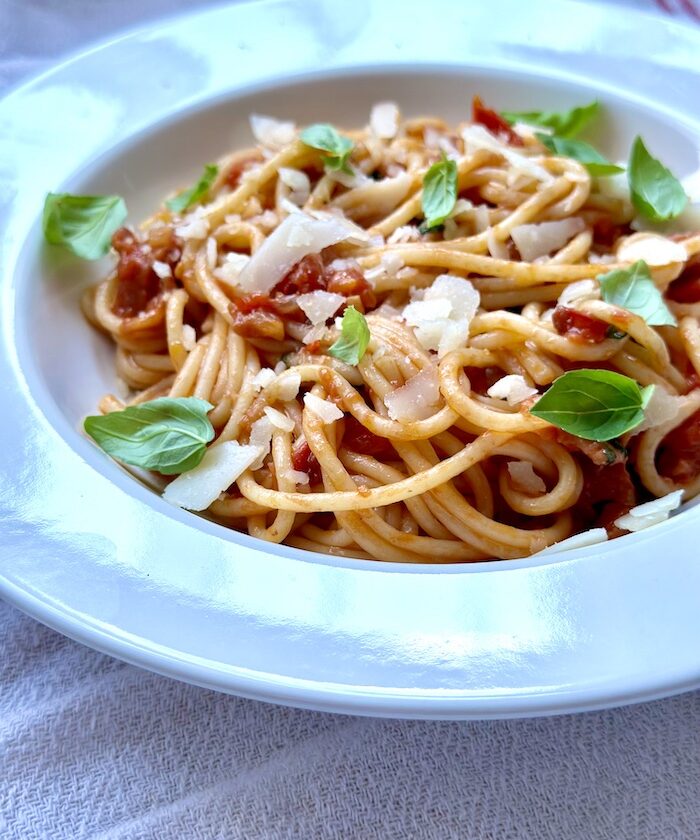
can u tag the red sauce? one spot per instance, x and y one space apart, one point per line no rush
306 276
494 122
361 440
606 232
679 454
303 459
579 327
350 282
481 379
686 289
601 454
137 284
608 493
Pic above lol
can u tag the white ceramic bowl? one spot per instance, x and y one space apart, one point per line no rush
94 553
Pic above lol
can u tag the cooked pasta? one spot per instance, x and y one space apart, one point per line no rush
425 446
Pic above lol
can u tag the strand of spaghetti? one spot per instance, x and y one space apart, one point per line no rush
407 488
284 519
366 526
649 441
490 266
174 321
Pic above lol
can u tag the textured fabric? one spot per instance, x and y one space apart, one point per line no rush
93 748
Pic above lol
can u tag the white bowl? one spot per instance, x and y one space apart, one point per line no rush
96 554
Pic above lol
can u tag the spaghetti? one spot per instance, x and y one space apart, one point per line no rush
424 449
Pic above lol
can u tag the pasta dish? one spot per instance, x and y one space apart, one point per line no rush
413 341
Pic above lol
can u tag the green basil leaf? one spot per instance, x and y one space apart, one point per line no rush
593 404
563 123
324 137
354 337
584 153
166 435
83 224
656 192
439 192
185 199
633 289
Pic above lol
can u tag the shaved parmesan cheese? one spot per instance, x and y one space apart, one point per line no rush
418 399
261 438
288 386
653 248
405 233
263 378
512 388
650 513
525 478
218 469
298 182
279 420
212 253
477 137
433 139
582 540
426 310
539 240
193 228
162 269
229 271
319 306
314 334
384 120
580 290
296 237
271 133
297 476
441 314
615 186
323 409
189 337
661 408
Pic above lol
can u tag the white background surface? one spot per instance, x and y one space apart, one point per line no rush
91 748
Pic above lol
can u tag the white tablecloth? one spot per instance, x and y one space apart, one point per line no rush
93 748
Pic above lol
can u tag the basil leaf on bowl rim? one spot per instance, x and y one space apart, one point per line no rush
439 192
185 199
593 404
325 138
168 435
565 124
633 289
584 153
354 337
656 192
83 224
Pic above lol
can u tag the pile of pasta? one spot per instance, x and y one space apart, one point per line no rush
376 371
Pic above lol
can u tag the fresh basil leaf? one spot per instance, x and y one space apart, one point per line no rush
563 123
354 337
167 435
83 224
185 199
593 404
584 153
656 192
439 192
633 289
324 137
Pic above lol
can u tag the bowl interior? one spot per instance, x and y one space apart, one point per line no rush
69 366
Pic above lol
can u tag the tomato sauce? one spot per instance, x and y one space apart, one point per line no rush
679 453
686 289
359 439
579 327
137 283
304 460
495 123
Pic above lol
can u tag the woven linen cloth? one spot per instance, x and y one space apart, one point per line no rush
93 748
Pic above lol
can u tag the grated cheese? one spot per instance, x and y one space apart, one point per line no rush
418 399
650 513
278 419
272 133
512 388
540 239
162 269
326 411
525 478
319 306
218 469
384 120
